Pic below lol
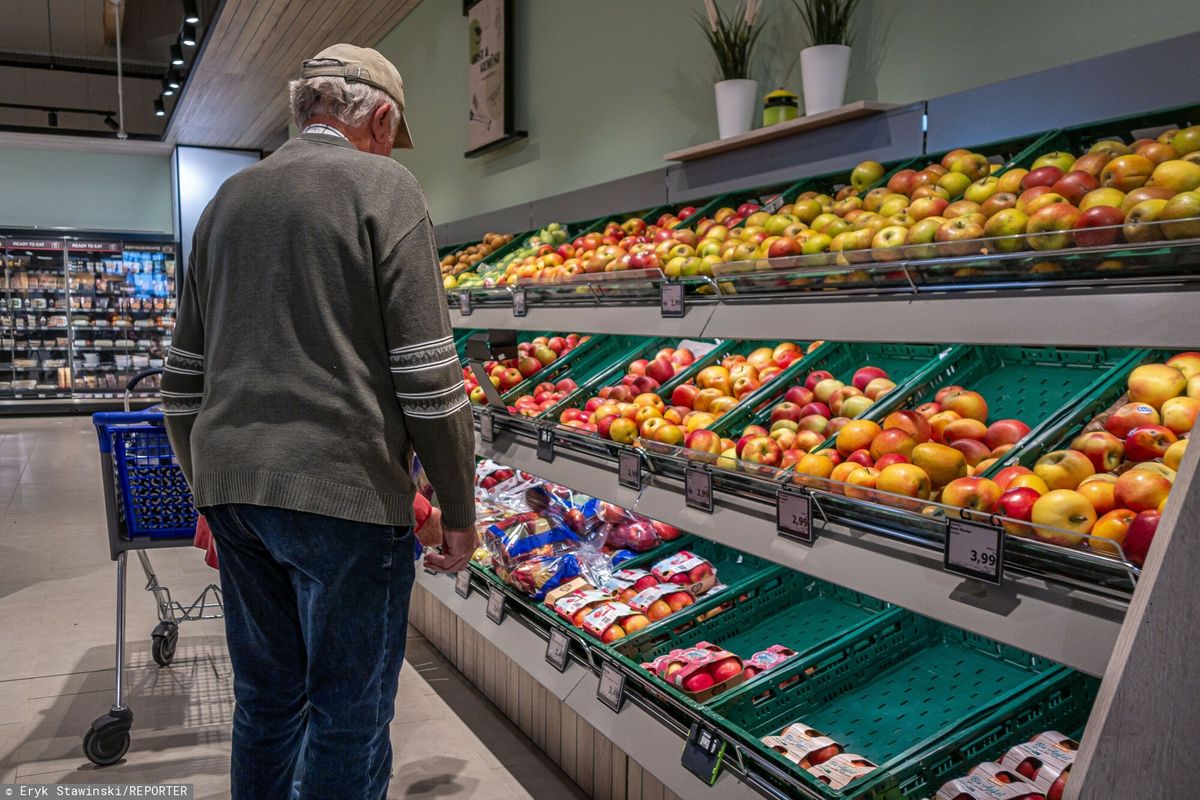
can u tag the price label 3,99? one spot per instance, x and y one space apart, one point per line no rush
975 550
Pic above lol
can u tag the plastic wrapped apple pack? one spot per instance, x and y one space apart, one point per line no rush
661 601
803 745
989 781
1045 762
768 659
613 620
574 607
702 671
839 771
687 570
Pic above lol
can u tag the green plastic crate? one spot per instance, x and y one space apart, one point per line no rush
902 362
895 697
1077 139
733 566
641 347
785 608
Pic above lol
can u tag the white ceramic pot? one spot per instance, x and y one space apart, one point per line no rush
737 100
824 69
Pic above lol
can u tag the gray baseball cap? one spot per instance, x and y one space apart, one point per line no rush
362 65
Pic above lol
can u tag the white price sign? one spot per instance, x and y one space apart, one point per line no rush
629 470
558 649
495 605
697 489
975 550
671 300
611 691
518 300
487 430
462 583
793 515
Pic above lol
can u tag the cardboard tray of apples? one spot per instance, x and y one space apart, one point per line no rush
1035 770
971 693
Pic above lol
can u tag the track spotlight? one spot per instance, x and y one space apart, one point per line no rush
174 79
190 12
189 34
177 55
159 111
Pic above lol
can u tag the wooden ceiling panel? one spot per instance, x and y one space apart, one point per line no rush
236 95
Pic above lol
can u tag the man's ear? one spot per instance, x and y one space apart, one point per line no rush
380 124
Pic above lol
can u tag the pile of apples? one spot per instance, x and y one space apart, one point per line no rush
463 260
532 356
633 407
810 413
526 262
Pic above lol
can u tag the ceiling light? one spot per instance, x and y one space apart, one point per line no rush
167 88
189 34
53 119
174 79
111 123
190 12
159 111
176 55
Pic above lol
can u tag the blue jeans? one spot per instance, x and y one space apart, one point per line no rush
316 617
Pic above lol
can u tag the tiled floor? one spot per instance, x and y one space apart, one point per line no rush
57 625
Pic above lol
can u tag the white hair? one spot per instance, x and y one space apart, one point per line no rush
349 103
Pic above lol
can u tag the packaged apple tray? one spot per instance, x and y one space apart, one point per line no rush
920 701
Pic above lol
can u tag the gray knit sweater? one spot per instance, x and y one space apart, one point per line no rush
313 350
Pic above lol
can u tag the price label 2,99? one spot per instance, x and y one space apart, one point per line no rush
671 300
518 300
697 489
793 515
975 550
611 690
629 470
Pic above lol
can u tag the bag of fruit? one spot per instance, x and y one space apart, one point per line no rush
521 537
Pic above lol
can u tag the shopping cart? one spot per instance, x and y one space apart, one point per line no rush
147 505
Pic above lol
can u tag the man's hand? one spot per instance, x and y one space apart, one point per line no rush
457 546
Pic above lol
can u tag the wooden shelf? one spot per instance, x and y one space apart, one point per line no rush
833 116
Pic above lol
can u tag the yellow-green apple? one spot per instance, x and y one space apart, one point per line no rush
1130 416
889 241
955 236
1111 527
893 204
965 428
973 450
924 207
1005 476
1031 481
1101 494
1181 215
965 403
939 421
955 183
960 208
1154 384
1063 469
1010 180
814 422
842 395
1148 442
873 199
824 390
892 440
1174 454
1140 535
940 462
923 233
1158 468
1141 489
1187 140
908 480
814 464
1179 414
696 420
722 404
1143 194
949 158
916 425
1193 386
785 437
1049 224
855 406
1102 197
762 450
1006 226
979 494
982 189
972 165
1091 163
1177 175
1112 147
878 387
1187 363
1099 226
866 174
1058 158
856 435
669 433
1005 431
1105 451
1127 172
1139 221
1059 512
1046 175
1016 505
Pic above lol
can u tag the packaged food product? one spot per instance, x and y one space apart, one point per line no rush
627 583
523 536
574 606
767 659
989 781
661 601
839 771
803 745
1045 761
687 570
613 620
703 671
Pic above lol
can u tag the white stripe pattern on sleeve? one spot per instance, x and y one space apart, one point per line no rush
422 356
434 410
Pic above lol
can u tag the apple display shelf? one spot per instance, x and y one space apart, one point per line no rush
581 364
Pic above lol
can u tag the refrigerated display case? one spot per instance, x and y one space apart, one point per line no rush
81 314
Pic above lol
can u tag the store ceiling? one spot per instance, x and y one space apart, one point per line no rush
236 96
55 54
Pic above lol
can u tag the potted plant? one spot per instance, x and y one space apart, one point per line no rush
825 63
732 38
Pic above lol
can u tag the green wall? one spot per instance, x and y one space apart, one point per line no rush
606 87
95 191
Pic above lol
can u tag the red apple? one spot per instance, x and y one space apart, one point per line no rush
786 410
819 409
815 377
1148 442
798 395
1140 535
865 375
661 369
1018 505
763 450
1105 451
684 395
1130 416
1005 431
1102 217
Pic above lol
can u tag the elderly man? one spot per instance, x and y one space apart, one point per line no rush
313 354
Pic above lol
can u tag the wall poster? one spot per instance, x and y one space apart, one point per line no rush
490 58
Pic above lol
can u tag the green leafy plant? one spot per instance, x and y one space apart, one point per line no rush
827 21
732 37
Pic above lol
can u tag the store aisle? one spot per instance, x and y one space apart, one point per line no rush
56 640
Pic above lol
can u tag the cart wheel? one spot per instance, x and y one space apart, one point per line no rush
107 740
163 641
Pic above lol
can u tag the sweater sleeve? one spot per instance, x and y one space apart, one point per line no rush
426 376
183 380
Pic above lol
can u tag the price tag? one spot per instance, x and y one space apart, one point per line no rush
558 649
611 691
703 753
462 583
629 470
793 515
545 444
774 205
671 300
975 550
487 429
697 488
518 299
495 606
464 304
